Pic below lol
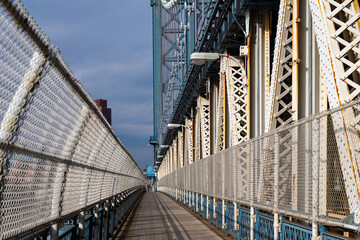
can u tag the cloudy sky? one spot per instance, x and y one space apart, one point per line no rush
108 45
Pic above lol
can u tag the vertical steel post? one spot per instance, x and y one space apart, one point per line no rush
252 192
223 214
252 223
113 207
315 180
236 213
106 220
197 202
207 207
96 222
276 186
118 211
157 69
55 231
81 233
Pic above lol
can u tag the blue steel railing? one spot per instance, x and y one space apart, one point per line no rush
244 223
241 227
99 224
265 227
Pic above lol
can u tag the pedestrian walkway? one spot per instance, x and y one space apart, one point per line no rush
159 217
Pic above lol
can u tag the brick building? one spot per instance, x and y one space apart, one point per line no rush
102 104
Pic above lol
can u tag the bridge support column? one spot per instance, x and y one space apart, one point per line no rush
81 225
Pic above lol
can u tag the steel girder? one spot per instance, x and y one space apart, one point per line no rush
337 29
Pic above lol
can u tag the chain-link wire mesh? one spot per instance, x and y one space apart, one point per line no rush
281 170
57 152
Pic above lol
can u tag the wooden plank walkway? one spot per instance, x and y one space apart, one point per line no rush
159 217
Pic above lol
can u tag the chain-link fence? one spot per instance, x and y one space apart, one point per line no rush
296 170
58 154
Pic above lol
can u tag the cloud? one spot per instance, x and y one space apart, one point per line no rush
93 69
134 129
108 46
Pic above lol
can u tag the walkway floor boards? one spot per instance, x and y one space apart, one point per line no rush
159 217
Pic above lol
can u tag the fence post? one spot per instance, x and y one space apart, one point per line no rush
202 202
55 231
223 214
315 176
118 210
197 203
252 192
81 225
236 213
96 222
207 207
276 186
113 207
106 220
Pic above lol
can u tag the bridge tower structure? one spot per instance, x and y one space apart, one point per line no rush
265 112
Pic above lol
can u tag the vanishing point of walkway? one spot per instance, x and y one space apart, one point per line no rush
159 217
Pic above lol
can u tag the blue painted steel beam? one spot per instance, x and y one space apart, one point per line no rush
157 73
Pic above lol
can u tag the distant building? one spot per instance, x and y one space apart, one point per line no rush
102 104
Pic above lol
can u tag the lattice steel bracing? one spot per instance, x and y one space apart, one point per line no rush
180 149
197 131
189 140
220 111
337 29
237 95
205 126
174 43
175 155
281 108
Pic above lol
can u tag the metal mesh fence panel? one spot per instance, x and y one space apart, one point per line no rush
228 174
292 170
57 152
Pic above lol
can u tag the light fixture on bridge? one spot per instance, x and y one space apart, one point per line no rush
199 58
160 156
174 125
164 146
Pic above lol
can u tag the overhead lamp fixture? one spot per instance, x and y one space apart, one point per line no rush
174 125
160 156
199 58
164 146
